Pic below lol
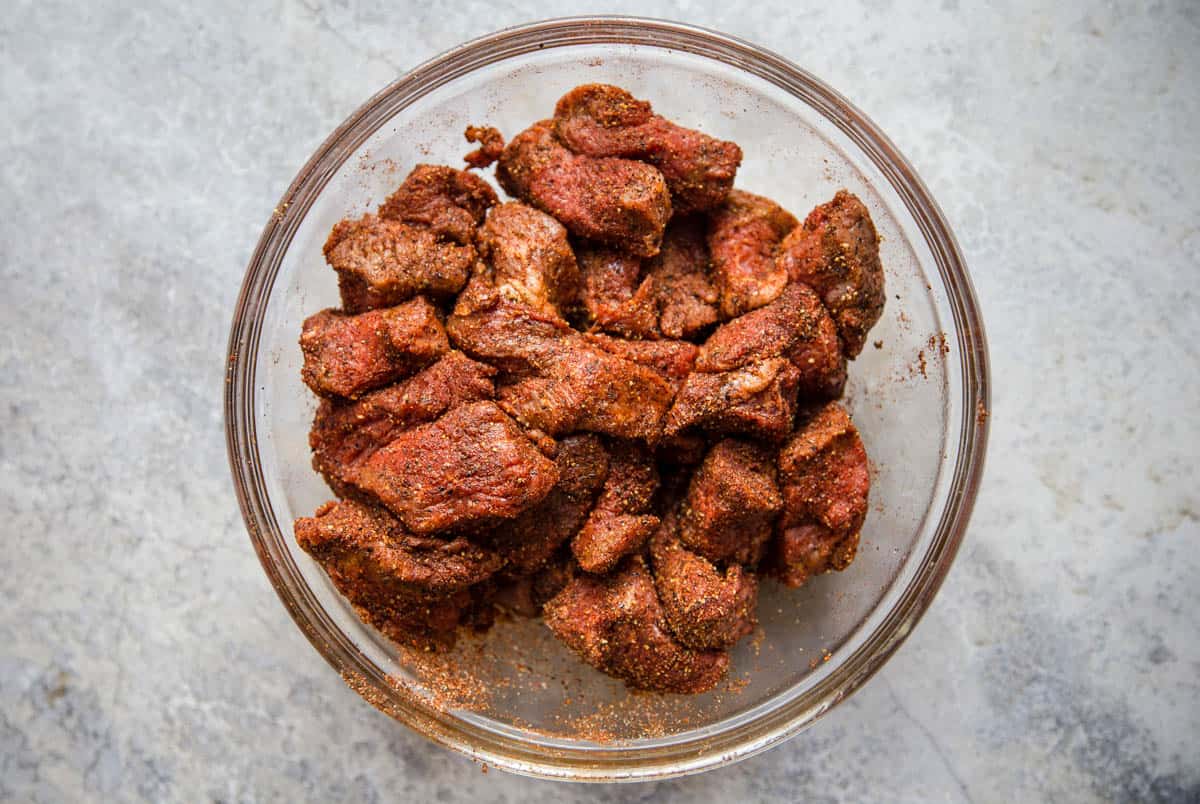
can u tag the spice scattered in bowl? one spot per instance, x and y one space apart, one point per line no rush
608 403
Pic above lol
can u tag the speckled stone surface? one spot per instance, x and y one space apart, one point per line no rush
143 654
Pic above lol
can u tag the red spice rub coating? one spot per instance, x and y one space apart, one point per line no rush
615 298
671 360
616 624
348 355
366 543
836 252
412 588
668 296
384 262
346 433
750 370
795 325
530 259
527 542
491 145
562 381
619 523
585 388
604 120
758 399
731 503
472 466
683 291
448 202
615 201
744 234
705 608
510 335
826 480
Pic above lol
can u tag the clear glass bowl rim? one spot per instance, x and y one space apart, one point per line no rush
524 754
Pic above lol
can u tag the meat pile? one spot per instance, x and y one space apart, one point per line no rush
609 403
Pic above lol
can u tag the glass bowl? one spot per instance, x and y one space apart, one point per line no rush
516 698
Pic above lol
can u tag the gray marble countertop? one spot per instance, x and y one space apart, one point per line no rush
143 654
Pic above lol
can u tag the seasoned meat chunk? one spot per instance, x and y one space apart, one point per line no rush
530 259
704 607
607 539
472 466
348 355
748 373
428 622
582 387
603 120
412 588
615 297
795 326
758 399
744 234
563 381
820 361
528 541
836 252
346 433
583 467
671 360
448 202
383 262
668 296
824 470
731 503
683 291
364 545
510 335
491 145
767 414
801 551
615 201
826 480
620 522
617 625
